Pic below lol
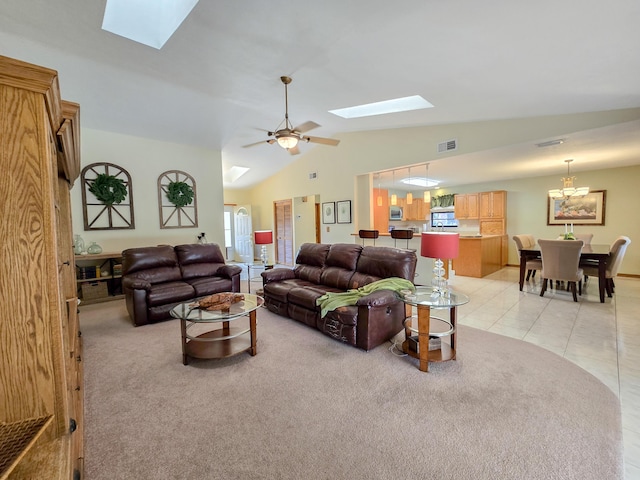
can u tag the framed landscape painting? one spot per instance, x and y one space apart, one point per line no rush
329 212
587 210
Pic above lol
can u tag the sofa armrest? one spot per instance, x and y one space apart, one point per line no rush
135 284
380 298
277 274
229 270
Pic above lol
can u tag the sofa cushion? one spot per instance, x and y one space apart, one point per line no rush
199 260
375 263
151 264
169 292
280 290
208 285
306 296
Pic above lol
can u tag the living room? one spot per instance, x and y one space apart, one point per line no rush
186 126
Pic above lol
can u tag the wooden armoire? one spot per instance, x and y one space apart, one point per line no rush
41 389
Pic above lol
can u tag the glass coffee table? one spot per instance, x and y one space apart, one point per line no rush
209 334
431 330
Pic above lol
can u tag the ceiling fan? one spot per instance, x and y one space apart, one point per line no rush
287 136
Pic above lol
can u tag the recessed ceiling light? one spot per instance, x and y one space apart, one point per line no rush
405 104
420 182
150 22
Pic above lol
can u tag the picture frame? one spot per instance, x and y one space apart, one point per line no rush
329 212
587 210
343 209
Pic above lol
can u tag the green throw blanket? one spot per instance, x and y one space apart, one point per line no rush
331 301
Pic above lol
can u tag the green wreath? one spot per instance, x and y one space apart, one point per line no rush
180 194
108 189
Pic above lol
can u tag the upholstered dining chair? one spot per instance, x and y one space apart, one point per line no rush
401 234
560 261
528 241
373 234
585 237
617 251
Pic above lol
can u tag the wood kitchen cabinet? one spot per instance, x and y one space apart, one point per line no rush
493 204
381 211
41 405
466 206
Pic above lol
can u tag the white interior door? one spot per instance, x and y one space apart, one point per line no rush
243 232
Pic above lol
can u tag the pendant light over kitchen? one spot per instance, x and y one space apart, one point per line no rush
394 197
409 195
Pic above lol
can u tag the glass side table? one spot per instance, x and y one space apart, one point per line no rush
256 267
416 344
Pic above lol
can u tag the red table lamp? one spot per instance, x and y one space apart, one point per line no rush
439 245
264 238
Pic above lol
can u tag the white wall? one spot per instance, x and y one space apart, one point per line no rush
146 160
342 175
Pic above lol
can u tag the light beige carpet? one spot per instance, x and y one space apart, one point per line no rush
308 407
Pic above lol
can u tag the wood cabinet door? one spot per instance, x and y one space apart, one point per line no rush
460 206
472 205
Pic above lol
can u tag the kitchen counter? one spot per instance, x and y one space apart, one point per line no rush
479 256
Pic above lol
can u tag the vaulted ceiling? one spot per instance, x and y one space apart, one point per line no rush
216 82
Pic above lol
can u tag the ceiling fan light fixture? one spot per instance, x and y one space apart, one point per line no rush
287 141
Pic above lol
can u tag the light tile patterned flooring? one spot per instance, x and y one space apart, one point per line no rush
604 339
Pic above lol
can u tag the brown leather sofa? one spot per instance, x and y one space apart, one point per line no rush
155 279
322 268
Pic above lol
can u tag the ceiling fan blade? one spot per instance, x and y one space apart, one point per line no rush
294 151
324 141
306 126
271 140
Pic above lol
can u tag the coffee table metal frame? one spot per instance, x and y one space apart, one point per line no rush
425 301
217 342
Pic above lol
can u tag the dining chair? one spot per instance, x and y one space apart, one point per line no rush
528 241
401 234
617 251
560 261
373 234
585 237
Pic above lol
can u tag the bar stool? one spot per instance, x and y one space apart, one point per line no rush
369 234
402 235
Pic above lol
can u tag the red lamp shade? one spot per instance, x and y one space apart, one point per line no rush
439 245
263 237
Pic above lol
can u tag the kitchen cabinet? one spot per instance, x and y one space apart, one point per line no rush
493 204
41 405
466 206
479 257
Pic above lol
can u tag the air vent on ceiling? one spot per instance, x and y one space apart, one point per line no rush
313 175
448 146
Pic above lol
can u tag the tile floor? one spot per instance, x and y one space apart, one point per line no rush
604 339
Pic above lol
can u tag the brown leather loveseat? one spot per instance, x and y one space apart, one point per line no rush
322 268
155 279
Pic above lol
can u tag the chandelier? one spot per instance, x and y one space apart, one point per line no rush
568 190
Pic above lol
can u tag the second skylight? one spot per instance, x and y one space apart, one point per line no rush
405 104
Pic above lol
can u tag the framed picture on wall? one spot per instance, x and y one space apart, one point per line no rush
587 210
344 211
329 212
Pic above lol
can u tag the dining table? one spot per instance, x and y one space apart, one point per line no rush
594 252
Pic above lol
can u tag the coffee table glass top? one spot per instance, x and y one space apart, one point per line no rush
424 296
186 311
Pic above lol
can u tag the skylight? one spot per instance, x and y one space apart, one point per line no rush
420 182
150 22
233 174
405 104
